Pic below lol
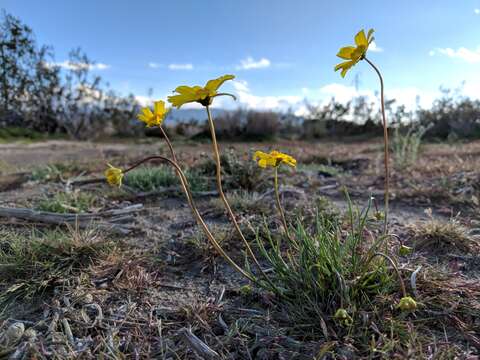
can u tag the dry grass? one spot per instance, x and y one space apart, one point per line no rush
440 237
91 297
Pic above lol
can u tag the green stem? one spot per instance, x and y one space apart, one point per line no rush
385 141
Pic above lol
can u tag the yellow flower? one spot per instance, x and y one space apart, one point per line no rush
114 176
202 95
156 117
353 54
341 315
273 159
407 303
405 250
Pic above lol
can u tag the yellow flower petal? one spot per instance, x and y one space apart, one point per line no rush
361 39
407 303
159 107
179 100
346 52
283 158
345 66
185 90
114 175
203 95
213 85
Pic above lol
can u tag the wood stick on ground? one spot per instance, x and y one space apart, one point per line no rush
106 219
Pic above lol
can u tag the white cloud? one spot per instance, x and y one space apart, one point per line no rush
249 63
470 56
343 93
476 11
408 96
144 100
374 47
77 66
251 101
180 66
154 65
431 53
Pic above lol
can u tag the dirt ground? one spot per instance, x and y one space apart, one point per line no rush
161 282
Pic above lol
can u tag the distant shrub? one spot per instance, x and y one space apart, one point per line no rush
452 116
262 125
19 132
230 125
239 173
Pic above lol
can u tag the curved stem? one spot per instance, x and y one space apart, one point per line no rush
279 205
390 260
195 211
227 94
222 195
167 140
385 140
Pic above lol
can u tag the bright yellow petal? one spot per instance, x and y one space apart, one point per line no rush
114 175
147 112
213 85
361 39
345 66
146 115
346 52
142 117
179 100
159 107
186 90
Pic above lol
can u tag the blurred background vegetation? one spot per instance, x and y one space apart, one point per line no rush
39 99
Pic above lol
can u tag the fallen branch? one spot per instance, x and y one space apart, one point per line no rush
115 221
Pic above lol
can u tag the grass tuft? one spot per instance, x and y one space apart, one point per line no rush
36 262
324 267
154 178
440 237
67 202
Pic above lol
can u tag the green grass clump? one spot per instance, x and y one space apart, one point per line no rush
35 262
406 145
154 178
12 133
327 266
67 202
54 172
320 168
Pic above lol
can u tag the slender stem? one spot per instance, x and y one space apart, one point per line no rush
222 195
172 152
279 205
195 211
390 260
385 140
167 140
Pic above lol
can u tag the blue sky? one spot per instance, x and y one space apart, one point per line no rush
281 51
